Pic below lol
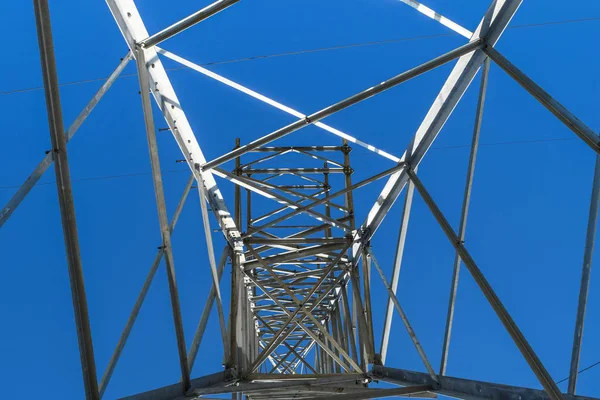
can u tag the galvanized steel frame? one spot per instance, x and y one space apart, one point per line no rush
301 291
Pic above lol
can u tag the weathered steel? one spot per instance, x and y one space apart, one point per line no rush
65 198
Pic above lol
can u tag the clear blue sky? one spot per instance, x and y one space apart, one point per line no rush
529 206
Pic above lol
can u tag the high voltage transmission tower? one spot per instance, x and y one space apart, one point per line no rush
300 322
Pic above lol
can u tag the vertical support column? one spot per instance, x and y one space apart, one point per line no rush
162 216
585 278
365 342
350 327
464 213
389 311
65 198
235 276
366 264
327 207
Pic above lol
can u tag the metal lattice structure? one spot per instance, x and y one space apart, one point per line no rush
300 322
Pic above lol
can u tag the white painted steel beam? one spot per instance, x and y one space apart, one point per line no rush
428 12
133 29
490 29
273 103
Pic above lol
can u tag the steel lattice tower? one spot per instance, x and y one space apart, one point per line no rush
300 322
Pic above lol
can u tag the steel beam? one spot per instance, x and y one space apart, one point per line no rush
513 330
585 278
193 352
213 267
490 29
350 101
132 27
281 107
428 12
389 311
464 388
65 198
464 213
142 296
43 166
281 335
162 215
567 118
188 22
404 318
173 392
297 301
348 189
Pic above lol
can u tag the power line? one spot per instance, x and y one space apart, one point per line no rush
136 174
583 370
307 51
97 178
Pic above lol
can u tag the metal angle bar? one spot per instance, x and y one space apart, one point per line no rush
173 391
296 300
570 120
379 393
294 170
283 241
404 318
351 329
280 209
340 325
43 166
279 106
213 266
366 264
510 325
188 22
246 183
438 17
280 336
65 197
317 157
193 352
463 388
347 189
307 148
367 357
291 348
272 186
350 101
585 278
265 158
464 213
132 27
162 216
304 354
249 387
141 297
389 311
294 255
490 29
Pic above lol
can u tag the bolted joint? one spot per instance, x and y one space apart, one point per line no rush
348 170
346 149
307 120
377 359
365 237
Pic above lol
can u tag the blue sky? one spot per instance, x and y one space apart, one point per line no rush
528 213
